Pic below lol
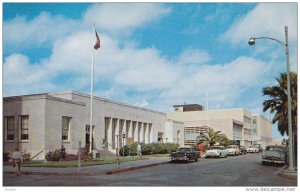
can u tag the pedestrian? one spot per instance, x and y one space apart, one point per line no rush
139 150
201 149
17 160
62 152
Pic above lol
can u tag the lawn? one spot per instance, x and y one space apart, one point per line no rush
99 161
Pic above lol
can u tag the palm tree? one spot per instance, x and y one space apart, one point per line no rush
278 102
210 137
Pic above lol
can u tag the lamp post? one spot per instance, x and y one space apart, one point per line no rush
286 46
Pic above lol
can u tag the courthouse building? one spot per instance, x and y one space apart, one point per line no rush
43 122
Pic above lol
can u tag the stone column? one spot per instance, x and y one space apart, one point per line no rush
150 132
146 133
109 134
117 133
128 131
139 132
135 131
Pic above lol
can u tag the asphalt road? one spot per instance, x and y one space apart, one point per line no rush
241 171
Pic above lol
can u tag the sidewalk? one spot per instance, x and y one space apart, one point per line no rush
89 170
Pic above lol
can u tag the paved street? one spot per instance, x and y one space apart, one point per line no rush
232 171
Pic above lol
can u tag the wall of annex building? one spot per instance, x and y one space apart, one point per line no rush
29 113
263 131
220 120
175 132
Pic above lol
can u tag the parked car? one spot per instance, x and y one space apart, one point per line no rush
252 149
216 151
275 154
243 150
260 148
233 150
185 153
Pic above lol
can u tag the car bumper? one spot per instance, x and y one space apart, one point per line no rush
231 153
273 161
212 155
179 158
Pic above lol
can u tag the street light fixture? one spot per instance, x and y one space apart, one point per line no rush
286 46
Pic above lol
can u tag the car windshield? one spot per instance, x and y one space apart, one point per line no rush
183 149
274 148
216 147
231 147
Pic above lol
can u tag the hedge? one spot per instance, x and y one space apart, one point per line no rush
148 149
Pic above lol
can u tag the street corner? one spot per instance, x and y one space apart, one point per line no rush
119 170
285 172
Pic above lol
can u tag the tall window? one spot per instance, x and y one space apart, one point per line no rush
65 128
24 127
10 134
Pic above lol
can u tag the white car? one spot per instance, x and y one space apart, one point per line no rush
233 150
252 149
216 151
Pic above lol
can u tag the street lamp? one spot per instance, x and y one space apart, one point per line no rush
286 46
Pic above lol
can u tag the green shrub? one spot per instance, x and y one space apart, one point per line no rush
53 155
26 156
148 149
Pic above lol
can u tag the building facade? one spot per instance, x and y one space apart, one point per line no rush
43 122
237 124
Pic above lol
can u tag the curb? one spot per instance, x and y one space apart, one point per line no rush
287 175
51 174
134 168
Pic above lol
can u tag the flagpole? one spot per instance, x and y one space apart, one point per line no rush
92 89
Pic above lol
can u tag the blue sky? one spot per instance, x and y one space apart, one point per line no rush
152 55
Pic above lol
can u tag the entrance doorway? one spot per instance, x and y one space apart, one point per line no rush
87 136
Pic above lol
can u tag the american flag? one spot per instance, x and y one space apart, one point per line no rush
97 45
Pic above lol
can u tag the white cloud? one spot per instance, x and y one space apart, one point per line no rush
224 83
120 63
194 56
142 104
266 19
41 31
22 77
121 17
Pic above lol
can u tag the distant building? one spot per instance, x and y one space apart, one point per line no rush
238 124
43 122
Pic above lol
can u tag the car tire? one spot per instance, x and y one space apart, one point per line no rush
196 159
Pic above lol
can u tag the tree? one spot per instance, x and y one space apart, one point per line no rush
278 102
210 137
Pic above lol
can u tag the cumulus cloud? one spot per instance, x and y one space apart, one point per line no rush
120 63
121 17
266 19
225 83
22 77
39 32
194 56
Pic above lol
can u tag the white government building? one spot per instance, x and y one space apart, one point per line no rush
43 122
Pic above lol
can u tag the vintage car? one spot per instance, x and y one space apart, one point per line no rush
233 150
243 150
185 153
252 149
275 154
216 151
260 147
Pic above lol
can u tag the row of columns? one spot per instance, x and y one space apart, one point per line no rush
133 131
